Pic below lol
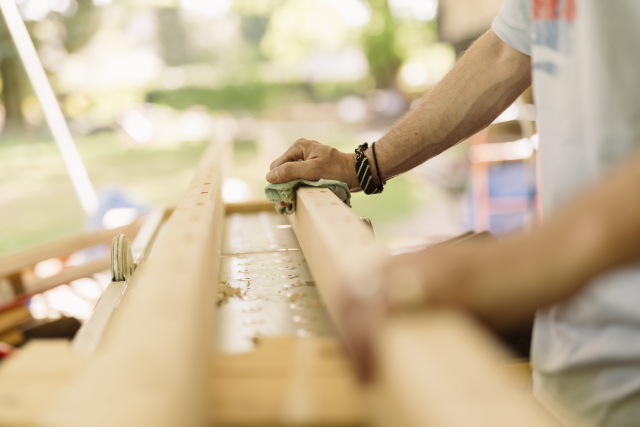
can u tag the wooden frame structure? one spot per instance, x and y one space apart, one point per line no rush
437 369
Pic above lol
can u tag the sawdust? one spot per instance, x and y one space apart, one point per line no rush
294 297
226 291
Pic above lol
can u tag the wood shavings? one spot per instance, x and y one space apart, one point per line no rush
226 291
294 297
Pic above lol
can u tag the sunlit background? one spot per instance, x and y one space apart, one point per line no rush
145 85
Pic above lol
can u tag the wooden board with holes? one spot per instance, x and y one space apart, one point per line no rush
286 381
139 377
160 364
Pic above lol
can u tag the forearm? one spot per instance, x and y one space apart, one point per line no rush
598 231
488 78
504 283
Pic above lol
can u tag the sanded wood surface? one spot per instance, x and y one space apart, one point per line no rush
286 381
438 369
32 380
151 367
335 242
15 263
259 205
154 365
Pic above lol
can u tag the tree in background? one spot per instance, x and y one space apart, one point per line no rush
13 78
378 44
172 37
80 25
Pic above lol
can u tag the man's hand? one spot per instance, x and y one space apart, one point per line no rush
500 283
319 161
436 276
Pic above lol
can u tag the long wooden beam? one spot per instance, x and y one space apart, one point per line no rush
437 369
14 263
250 206
67 275
150 370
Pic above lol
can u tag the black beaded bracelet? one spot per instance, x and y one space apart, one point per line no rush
364 173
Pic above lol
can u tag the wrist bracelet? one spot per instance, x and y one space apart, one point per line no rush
375 161
363 173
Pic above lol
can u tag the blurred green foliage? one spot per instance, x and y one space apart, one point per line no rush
39 204
258 96
378 44
252 96
81 26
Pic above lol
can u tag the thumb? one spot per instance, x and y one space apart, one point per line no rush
293 170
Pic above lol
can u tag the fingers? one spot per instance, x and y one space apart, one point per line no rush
360 320
294 153
361 308
292 170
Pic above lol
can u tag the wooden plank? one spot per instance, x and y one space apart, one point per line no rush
150 370
250 206
333 240
33 378
439 369
15 280
67 275
432 368
14 317
90 334
17 262
286 381
12 337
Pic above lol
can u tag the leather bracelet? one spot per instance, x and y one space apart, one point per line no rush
375 161
363 172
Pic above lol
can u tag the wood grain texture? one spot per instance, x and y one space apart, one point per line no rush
32 380
259 205
439 369
335 242
67 275
436 369
286 381
150 370
139 378
17 262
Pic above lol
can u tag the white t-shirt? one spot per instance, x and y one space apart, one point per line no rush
586 83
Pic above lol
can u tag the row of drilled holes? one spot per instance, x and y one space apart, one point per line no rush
347 219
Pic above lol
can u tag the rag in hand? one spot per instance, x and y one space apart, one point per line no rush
286 192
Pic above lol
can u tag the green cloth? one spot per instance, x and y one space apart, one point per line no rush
286 192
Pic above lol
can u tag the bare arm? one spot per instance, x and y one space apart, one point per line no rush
503 283
506 282
488 78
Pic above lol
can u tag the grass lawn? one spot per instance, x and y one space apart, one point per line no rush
38 203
